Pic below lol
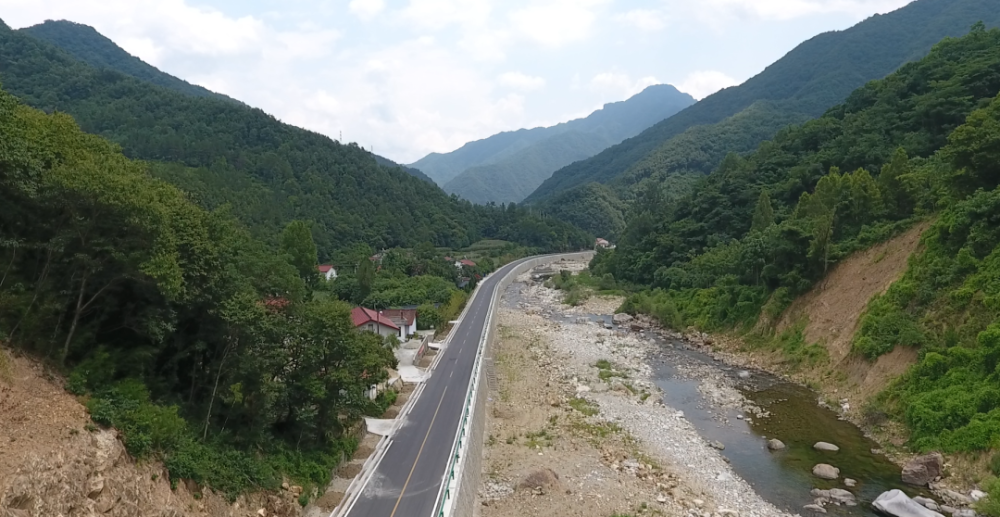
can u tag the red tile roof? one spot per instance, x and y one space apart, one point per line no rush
467 262
324 268
361 316
407 316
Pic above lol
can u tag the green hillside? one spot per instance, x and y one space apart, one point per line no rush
814 76
267 173
520 154
762 229
511 179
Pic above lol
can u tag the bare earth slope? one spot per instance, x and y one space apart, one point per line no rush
52 462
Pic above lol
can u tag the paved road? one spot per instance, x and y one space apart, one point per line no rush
407 481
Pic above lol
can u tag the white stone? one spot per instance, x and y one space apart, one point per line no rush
898 504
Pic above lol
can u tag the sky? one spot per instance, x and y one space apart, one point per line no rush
409 77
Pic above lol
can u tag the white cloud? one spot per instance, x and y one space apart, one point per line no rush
522 81
703 83
557 22
366 9
619 86
783 10
643 19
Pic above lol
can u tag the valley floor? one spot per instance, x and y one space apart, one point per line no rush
568 439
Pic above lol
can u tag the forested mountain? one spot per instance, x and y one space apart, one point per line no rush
267 172
86 44
198 343
520 157
512 179
760 230
810 79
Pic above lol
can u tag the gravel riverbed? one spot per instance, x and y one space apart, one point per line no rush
626 395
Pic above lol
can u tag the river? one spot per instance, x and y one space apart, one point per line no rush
784 478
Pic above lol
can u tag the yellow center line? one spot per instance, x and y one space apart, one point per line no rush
419 451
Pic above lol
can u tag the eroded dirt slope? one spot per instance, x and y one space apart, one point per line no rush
54 463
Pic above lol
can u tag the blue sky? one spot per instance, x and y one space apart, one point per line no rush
408 77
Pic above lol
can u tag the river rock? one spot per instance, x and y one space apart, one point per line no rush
964 513
824 471
717 445
621 318
850 483
955 498
775 444
824 446
898 504
923 469
927 503
837 496
976 495
814 507
743 374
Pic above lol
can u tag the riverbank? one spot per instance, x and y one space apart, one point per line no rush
576 412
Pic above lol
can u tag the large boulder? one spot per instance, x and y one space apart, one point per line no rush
824 471
824 446
621 318
923 469
898 504
775 444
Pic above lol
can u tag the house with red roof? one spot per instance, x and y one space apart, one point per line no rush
374 321
464 263
327 271
405 319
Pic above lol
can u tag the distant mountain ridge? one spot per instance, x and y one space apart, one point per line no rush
507 166
86 44
247 164
814 76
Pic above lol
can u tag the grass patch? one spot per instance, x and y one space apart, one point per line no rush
539 439
584 406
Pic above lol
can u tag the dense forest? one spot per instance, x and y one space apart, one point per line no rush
264 172
761 229
811 78
200 344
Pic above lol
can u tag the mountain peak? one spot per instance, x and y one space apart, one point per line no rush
86 44
4 26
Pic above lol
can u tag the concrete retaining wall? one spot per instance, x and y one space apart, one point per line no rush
463 499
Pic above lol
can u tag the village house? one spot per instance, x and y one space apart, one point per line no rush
327 271
374 321
603 243
464 263
405 319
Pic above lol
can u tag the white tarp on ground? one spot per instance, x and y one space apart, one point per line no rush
379 426
412 374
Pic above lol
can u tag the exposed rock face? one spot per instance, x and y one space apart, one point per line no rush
827 447
824 471
923 469
775 444
895 502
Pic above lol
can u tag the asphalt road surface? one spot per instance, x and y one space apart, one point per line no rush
407 481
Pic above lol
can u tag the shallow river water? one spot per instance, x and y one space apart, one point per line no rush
783 478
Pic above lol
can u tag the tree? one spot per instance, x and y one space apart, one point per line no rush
297 243
763 214
365 277
898 201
